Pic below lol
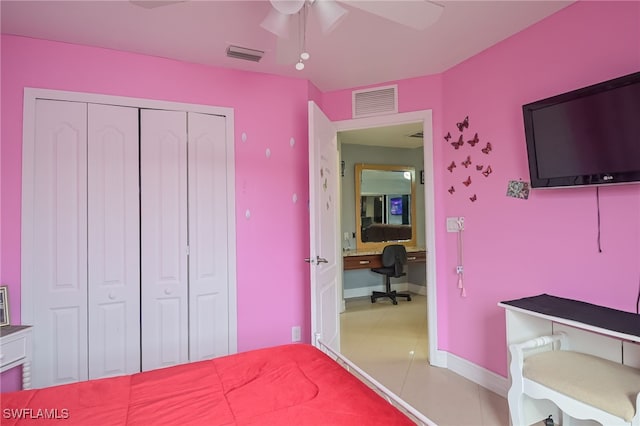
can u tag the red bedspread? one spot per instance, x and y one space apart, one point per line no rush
283 385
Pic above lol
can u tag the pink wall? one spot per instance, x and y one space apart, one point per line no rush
547 244
266 289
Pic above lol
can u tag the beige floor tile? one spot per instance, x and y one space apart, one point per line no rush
390 343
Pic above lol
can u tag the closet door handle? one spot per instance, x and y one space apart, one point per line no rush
167 291
112 296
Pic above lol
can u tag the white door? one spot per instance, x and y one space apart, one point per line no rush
325 255
114 241
163 176
55 246
208 238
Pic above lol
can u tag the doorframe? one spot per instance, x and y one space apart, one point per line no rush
31 95
437 357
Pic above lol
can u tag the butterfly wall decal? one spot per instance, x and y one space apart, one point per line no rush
488 148
487 172
467 182
473 198
457 144
479 167
466 163
448 136
451 166
474 141
463 124
451 190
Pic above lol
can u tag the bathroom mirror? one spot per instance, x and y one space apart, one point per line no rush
385 207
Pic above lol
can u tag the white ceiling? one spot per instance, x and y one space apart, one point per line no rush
363 49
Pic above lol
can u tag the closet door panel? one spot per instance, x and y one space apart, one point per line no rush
114 235
59 252
208 260
163 169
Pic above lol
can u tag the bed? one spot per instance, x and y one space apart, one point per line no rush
284 385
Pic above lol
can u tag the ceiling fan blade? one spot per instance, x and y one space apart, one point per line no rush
416 14
152 4
329 14
277 23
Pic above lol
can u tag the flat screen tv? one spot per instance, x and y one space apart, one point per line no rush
396 205
589 136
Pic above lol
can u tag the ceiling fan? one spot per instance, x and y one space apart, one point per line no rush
285 15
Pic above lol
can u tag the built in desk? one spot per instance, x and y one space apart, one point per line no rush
353 259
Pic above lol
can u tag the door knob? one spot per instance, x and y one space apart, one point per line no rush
112 296
321 260
167 291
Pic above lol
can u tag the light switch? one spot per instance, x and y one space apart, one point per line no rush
454 224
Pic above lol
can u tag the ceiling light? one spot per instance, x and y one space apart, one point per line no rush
305 56
329 13
300 65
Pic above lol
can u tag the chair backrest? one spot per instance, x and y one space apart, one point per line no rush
394 255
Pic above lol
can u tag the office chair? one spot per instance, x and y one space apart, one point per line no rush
394 257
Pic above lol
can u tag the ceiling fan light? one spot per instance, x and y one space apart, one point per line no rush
276 23
300 65
329 14
287 7
305 56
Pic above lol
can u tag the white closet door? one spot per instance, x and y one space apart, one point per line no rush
113 245
59 252
208 267
163 168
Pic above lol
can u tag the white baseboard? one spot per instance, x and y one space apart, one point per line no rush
480 375
366 291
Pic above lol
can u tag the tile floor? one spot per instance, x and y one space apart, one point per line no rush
390 343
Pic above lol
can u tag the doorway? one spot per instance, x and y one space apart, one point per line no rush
424 175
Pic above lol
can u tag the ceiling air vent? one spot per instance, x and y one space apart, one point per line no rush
377 101
244 53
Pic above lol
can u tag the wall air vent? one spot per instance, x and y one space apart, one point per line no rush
376 101
244 53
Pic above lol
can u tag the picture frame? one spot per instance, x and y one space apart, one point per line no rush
4 305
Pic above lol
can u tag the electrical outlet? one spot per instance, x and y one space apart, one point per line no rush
295 333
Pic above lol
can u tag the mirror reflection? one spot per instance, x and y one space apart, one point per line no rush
384 205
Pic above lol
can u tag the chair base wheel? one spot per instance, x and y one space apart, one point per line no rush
395 302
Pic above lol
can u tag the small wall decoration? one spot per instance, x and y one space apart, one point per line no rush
464 124
4 305
518 189
422 177
459 144
474 141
